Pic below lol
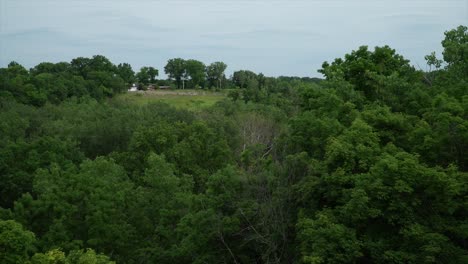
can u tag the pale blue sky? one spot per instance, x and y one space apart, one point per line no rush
274 37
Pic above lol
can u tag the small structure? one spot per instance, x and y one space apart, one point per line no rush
164 87
134 88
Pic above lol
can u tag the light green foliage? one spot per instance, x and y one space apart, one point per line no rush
56 256
192 100
15 242
390 126
354 150
367 70
325 241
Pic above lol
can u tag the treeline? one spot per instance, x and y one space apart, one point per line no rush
367 166
94 77
99 78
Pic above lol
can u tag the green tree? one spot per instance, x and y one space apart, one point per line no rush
125 71
364 69
354 150
201 150
18 175
163 199
106 83
147 75
101 63
52 85
323 240
242 78
406 199
16 243
176 69
215 73
447 139
456 46
91 213
15 83
210 232
83 66
48 67
196 72
452 80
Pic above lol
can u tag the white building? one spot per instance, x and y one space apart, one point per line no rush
133 88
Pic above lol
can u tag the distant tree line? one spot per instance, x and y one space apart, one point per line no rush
99 78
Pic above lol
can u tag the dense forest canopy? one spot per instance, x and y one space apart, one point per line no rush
368 165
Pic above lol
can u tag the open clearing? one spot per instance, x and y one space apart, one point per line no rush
183 99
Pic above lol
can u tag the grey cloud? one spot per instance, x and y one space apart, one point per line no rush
273 37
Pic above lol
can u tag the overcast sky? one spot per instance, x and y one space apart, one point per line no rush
273 37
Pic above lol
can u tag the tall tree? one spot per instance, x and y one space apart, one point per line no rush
83 66
80 66
367 70
196 72
215 73
176 69
456 46
243 78
147 75
126 72
101 63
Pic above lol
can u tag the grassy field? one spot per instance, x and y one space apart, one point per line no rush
183 99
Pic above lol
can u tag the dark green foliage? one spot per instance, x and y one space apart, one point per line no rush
125 71
245 79
196 73
215 74
176 69
147 75
455 47
80 208
96 77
